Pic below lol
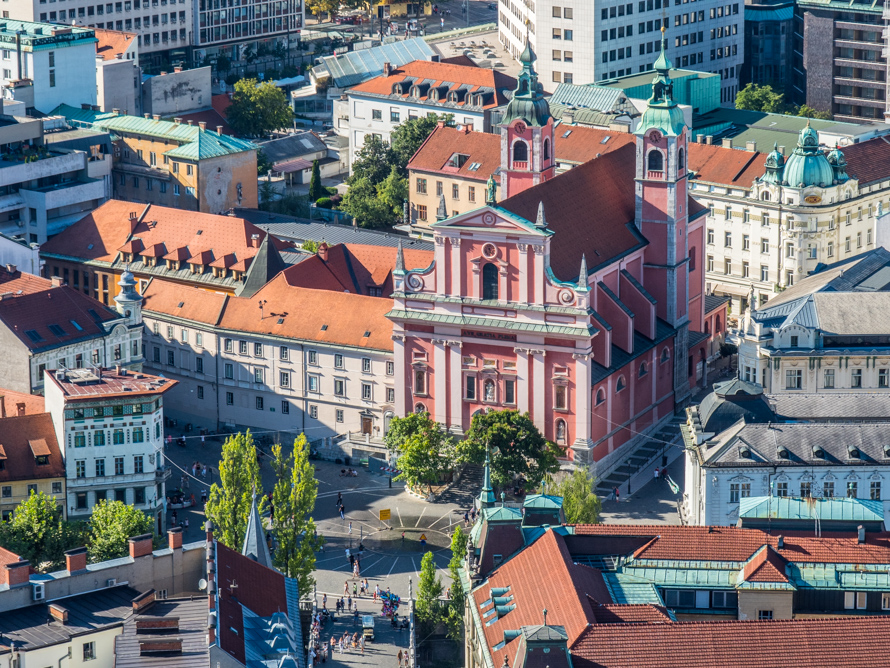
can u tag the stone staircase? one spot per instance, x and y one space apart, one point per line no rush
646 453
466 488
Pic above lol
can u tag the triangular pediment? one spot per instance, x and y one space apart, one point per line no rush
493 219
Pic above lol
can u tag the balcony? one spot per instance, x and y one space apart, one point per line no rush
520 164
861 64
163 474
854 44
15 169
861 83
859 101
145 478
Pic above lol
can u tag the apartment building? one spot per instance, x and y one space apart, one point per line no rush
46 324
773 219
110 423
118 76
164 27
176 164
31 461
839 61
769 40
585 42
257 26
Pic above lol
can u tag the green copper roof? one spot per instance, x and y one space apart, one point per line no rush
542 501
833 509
194 143
629 590
662 112
502 514
528 102
807 165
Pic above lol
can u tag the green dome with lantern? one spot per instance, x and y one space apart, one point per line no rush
838 162
662 112
528 103
775 165
807 165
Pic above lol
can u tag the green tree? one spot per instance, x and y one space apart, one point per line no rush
428 607
310 245
454 618
754 97
518 448
38 533
361 202
293 499
239 478
262 163
372 161
425 450
580 503
258 108
267 194
111 524
808 112
324 6
393 191
409 135
316 190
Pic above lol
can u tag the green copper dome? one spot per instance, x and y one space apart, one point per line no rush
662 113
838 163
528 102
775 164
808 166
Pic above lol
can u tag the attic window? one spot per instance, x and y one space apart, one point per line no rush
458 159
566 134
90 247
33 335
93 313
57 330
76 326
180 305
280 321
324 328
474 167
366 335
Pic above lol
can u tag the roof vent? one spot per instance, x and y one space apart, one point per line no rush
783 452
780 544
852 452
818 452
744 451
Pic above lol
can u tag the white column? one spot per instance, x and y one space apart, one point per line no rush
440 378
398 352
457 276
583 397
456 408
523 273
441 286
540 387
538 290
522 385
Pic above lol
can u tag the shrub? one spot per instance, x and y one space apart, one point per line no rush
324 203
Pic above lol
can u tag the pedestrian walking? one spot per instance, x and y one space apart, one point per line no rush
354 589
466 519
376 592
346 584
202 441
173 514
657 473
204 471
342 513
203 496
399 657
339 499
350 527
615 491
361 643
194 469
367 587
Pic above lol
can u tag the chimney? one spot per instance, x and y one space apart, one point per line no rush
85 106
780 544
57 281
174 537
147 115
323 251
163 74
727 142
16 574
76 560
699 139
202 125
2 406
140 546
143 601
568 116
19 408
709 139
156 117
58 613
219 129
751 146
782 150
11 268
177 70
861 533
190 121
117 369
387 69
254 240
177 120
116 112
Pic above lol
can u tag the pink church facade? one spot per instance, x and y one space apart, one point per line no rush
577 298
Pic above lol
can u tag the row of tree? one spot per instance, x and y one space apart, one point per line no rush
755 97
38 532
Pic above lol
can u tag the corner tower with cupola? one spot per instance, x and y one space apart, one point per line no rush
527 157
662 211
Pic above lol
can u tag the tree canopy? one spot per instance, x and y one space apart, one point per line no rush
755 97
239 479
293 500
407 137
518 448
454 618
258 108
111 524
38 533
427 608
426 451
580 504
316 190
372 161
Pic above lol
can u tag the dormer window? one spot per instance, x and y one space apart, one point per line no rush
458 160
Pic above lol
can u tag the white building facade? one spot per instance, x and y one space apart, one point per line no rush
584 42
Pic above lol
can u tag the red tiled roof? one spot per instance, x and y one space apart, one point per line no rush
729 166
869 160
480 147
602 237
213 118
113 384
846 642
16 437
101 234
437 74
111 43
32 403
766 566
738 545
614 613
27 283
583 143
221 103
190 303
58 307
543 576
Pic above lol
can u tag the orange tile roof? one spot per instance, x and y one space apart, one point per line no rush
27 283
729 166
766 566
846 642
212 118
480 147
112 42
614 613
290 311
112 384
869 160
583 143
738 545
16 435
437 74
12 401
100 235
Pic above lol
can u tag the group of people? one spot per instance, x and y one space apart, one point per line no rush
470 517
359 588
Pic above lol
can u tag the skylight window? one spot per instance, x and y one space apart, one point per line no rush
33 335
566 134
324 328
76 326
605 139
57 330
474 166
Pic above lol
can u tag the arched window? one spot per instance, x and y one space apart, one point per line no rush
561 432
490 281
665 355
718 327
656 161
764 196
419 408
520 151
600 396
621 384
681 159
644 369
546 150
419 381
708 328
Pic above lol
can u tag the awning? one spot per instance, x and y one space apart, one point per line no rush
730 289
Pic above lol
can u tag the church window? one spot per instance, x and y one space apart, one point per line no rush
621 384
419 408
656 161
490 281
600 396
644 369
561 432
546 149
520 151
419 381
666 354
681 159
560 401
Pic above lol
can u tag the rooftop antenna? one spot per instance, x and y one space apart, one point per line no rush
545 616
261 304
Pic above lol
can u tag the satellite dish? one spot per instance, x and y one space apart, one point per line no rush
202 584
